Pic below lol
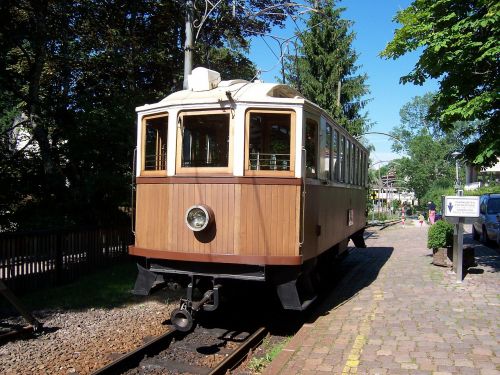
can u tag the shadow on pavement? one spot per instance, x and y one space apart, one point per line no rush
486 257
354 274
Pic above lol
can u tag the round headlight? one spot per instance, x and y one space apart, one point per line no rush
198 217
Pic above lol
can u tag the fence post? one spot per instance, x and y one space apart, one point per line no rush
59 257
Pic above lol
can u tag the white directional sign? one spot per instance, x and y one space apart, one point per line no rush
459 206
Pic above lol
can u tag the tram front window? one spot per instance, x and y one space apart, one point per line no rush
269 141
205 140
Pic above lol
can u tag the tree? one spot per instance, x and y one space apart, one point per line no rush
71 74
428 163
325 69
459 43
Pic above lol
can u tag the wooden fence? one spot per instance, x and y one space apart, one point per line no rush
30 261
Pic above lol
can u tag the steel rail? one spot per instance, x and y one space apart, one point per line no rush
133 358
16 333
239 354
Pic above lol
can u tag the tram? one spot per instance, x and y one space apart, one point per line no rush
239 180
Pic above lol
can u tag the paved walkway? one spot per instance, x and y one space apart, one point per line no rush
396 313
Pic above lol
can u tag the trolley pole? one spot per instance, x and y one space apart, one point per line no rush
188 45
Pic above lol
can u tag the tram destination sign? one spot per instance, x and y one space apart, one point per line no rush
460 206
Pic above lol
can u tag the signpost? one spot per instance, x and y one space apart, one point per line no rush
373 195
460 210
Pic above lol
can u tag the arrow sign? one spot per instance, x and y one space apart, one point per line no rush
460 206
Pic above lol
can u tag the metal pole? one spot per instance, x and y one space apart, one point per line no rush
188 46
460 250
373 211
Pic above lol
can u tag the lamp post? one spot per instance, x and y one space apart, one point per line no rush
457 178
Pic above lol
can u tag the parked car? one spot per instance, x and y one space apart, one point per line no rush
487 226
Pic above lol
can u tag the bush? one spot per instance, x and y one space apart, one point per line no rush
440 235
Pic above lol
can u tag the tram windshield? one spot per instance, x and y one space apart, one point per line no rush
269 141
205 140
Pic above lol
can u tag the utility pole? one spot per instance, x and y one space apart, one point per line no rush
339 88
188 46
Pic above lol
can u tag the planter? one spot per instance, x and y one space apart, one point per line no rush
443 257
440 256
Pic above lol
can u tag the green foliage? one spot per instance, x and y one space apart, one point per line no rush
75 71
326 60
440 235
258 363
459 44
428 163
492 189
105 288
434 195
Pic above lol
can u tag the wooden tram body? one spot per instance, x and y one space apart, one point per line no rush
284 185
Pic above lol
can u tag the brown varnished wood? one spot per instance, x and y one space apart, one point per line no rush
219 180
327 206
251 220
220 258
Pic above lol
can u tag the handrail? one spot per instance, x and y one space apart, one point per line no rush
133 187
303 208
272 161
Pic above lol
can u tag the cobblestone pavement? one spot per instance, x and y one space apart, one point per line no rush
396 313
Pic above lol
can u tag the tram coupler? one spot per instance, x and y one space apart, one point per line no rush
183 317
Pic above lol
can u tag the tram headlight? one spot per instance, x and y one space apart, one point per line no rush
199 217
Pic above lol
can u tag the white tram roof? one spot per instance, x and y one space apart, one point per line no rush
206 88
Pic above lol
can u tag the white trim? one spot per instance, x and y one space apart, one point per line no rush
299 127
239 141
138 158
172 141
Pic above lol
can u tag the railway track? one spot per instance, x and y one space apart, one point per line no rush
209 351
214 350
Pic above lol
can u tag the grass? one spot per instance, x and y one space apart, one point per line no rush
106 288
271 350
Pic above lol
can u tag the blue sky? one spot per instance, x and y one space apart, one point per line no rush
374 28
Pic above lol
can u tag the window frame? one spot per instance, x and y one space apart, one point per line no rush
335 161
342 163
179 169
324 139
317 120
157 172
270 173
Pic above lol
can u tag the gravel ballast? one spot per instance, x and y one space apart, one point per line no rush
80 342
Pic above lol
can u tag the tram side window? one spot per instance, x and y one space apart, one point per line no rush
205 140
335 150
269 141
155 143
347 161
311 147
361 167
352 151
325 151
356 164
342 159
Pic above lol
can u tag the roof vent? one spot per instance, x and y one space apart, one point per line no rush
203 79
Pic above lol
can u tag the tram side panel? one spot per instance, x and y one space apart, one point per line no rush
326 221
254 224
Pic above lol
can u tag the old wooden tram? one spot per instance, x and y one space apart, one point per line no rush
243 180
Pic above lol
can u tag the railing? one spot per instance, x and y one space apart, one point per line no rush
269 162
29 261
155 162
